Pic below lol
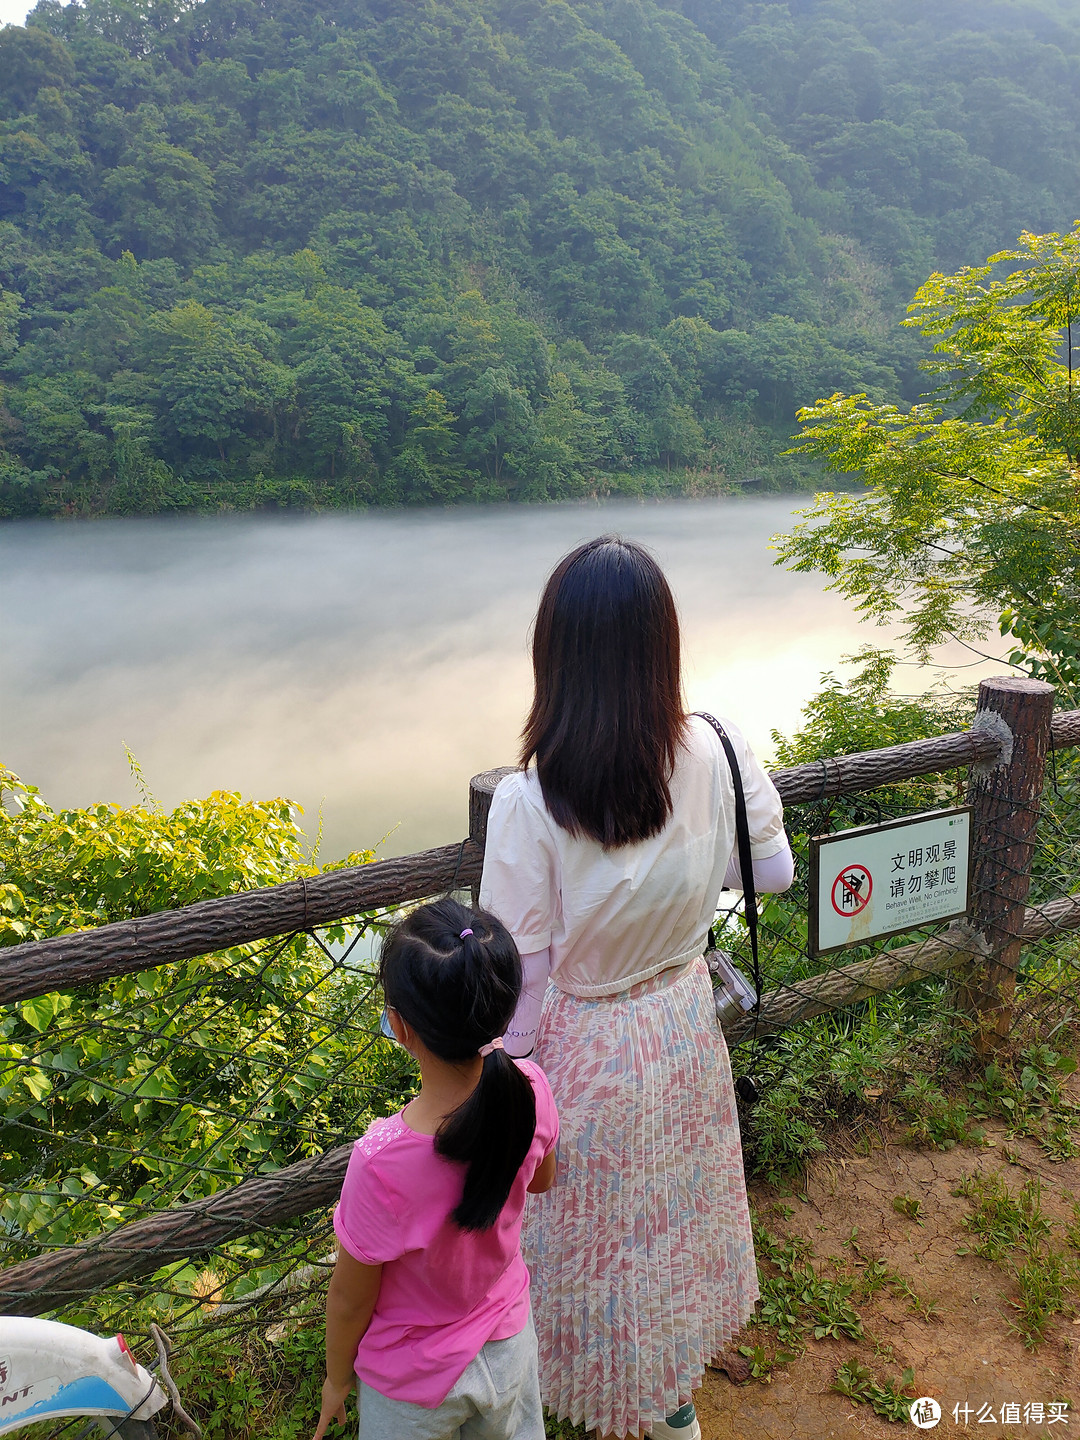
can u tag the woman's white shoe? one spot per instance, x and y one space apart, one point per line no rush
683 1425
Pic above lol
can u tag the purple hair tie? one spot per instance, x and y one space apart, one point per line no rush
464 933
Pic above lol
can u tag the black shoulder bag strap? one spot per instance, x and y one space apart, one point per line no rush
742 840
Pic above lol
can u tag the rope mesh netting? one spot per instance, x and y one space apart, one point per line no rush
151 1091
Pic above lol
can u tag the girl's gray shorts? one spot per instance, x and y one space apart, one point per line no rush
497 1398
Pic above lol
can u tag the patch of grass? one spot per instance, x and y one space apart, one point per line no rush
1004 1223
909 1207
761 1362
829 1310
888 1399
797 1303
782 1138
927 1309
1058 1142
937 1120
1072 1227
849 1071
878 1275
1043 1283
873 1277
828 1072
1026 1094
1001 1221
240 1386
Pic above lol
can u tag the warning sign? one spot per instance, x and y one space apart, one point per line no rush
885 879
852 889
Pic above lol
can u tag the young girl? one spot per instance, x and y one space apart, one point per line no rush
429 1301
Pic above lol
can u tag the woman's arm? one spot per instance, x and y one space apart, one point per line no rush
520 1038
518 885
775 870
771 875
350 1304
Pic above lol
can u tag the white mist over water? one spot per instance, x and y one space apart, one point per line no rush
366 663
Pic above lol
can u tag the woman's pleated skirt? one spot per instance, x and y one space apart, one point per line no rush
641 1255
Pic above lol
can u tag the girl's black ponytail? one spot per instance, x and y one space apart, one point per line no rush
454 976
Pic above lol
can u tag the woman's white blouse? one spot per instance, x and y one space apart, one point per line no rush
614 917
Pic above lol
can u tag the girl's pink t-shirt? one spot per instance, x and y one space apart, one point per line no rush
445 1292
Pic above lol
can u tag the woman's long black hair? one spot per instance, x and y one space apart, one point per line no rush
607 716
459 994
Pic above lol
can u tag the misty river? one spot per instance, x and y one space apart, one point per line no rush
366 664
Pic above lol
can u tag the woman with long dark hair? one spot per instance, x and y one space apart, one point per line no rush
605 856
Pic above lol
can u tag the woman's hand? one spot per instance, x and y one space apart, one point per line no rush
333 1407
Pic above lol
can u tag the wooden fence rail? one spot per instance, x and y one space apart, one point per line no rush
89 956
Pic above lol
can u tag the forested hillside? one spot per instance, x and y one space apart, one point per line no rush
401 250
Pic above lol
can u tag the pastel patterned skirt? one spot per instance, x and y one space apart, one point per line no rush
641 1255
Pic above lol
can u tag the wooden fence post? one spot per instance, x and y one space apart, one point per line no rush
481 789
1004 794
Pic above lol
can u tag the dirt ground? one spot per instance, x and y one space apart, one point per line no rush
966 1357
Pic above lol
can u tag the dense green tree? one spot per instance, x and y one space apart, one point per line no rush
30 59
214 375
10 305
972 509
159 201
431 436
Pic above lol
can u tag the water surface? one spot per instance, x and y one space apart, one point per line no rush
364 664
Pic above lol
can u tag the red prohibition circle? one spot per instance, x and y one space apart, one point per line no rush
852 880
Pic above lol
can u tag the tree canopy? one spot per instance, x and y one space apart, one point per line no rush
973 506
374 251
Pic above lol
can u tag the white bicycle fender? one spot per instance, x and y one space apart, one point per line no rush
48 1369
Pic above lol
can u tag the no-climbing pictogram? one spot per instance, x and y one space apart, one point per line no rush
851 890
